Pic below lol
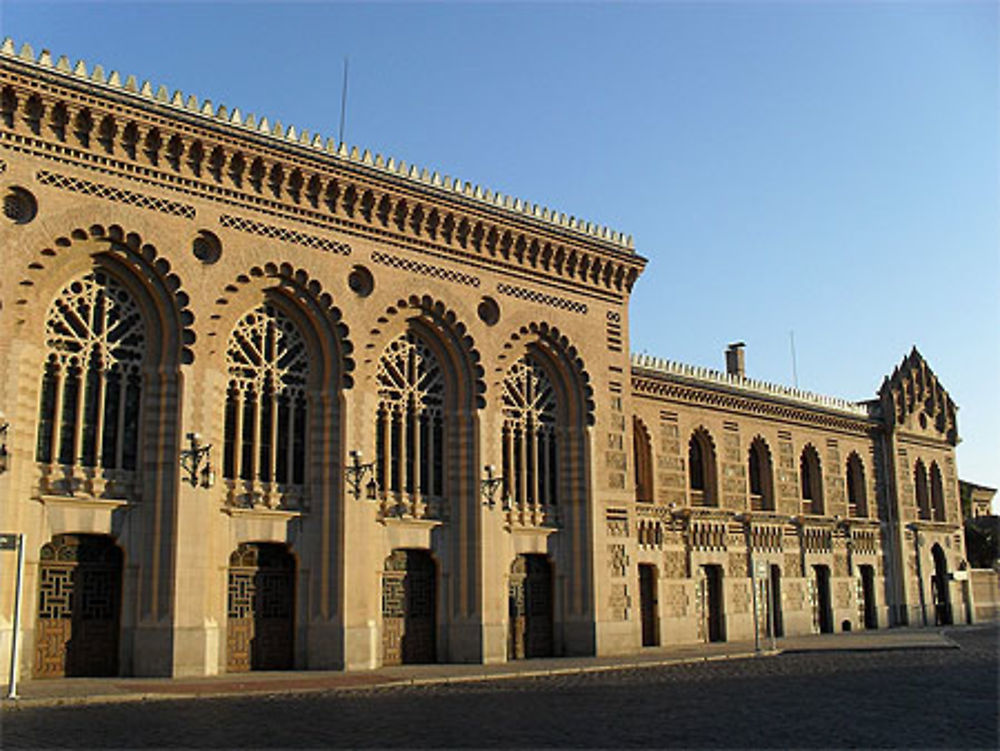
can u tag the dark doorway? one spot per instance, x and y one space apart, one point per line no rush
823 615
869 617
774 602
529 607
409 612
940 589
712 596
261 605
79 601
648 605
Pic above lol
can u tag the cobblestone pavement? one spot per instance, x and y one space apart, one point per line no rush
829 699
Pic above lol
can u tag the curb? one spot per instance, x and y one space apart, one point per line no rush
123 698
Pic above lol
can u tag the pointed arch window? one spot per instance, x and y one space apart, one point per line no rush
409 425
530 437
91 390
810 476
937 493
760 476
920 487
266 413
857 495
642 450
701 469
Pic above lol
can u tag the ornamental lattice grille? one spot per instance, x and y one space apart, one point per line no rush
409 431
90 394
266 403
530 455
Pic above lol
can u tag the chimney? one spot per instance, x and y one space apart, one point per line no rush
736 360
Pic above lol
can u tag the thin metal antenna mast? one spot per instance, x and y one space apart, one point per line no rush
343 103
795 371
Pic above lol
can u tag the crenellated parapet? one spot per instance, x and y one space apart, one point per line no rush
657 376
99 122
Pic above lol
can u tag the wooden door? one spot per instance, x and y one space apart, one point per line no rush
530 628
409 613
648 605
79 601
261 604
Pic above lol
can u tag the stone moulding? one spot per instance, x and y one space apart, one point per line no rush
300 169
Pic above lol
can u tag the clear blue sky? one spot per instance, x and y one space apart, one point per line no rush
827 168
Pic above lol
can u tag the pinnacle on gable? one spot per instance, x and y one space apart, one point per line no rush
161 94
98 74
355 155
236 118
80 69
290 133
206 107
62 64
27 53
278 129
191 103
45 59
8 46
131 84
146 90
115 79
221 112
317 142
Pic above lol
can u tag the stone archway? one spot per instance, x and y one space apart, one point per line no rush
79 604
940 589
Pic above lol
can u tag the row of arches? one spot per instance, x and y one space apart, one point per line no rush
281 369
702 474
79 607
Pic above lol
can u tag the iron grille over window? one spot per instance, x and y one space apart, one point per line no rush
92 383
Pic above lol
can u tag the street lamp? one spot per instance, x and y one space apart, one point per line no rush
489 485
191 462
355 474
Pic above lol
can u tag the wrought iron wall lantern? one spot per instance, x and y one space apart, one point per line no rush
489 486
4 455
356 472
191 462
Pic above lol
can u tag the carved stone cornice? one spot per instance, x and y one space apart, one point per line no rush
718 396
97 123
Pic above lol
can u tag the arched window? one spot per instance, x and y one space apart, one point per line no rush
937 493
92 384
760 476
266 414
409 427
642 451
530 442
701 469
857 495
920 485
812 482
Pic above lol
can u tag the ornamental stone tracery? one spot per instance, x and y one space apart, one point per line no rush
529 440
266 411
409 429
90 394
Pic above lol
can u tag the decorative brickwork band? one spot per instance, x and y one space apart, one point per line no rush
64 182
552 301
426 269
287 235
